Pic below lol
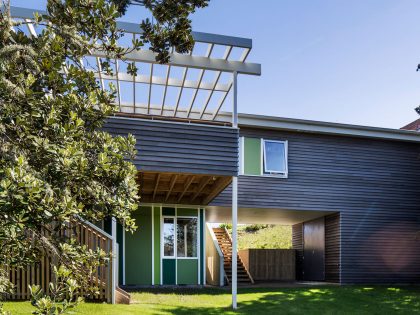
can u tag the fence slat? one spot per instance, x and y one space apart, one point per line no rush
41 273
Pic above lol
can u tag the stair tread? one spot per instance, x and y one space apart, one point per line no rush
225 245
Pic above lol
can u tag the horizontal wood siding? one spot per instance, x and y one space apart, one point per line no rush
374 184
180 147
332 248
297 245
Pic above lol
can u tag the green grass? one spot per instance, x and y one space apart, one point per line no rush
274 236
267 301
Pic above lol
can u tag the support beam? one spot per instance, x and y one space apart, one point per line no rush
234 241
187 185
156 184
171 186
197 62
201 186
235 202
235 101
219 185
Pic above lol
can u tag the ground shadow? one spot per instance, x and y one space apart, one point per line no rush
322 300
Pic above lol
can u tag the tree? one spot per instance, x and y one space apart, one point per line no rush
56 162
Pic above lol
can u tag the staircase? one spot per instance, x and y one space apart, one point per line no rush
225 244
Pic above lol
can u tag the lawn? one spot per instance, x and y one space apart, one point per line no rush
319 300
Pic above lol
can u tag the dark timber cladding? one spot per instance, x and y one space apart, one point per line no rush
176 147
332 248
297 245
180 163
372 183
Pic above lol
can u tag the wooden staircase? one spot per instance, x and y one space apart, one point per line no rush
225 244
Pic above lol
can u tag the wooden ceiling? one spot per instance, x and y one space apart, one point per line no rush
175 188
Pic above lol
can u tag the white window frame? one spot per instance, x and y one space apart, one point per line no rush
162 236
264 159
175 217
198 236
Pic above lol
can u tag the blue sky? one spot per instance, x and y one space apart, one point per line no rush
329 60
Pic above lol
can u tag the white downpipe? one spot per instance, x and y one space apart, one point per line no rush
114 258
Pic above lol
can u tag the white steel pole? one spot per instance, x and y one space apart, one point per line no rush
235 100
235 201
114 258
234 240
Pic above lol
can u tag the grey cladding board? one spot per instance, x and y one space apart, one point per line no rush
373 184
180 147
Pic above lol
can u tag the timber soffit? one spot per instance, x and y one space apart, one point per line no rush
192 86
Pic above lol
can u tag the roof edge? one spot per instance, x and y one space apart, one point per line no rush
320 127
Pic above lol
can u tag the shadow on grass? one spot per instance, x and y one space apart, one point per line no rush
325 300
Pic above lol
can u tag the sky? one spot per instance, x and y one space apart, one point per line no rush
328 60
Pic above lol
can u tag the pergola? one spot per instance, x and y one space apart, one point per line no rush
191 87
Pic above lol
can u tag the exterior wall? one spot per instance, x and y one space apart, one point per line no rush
214 261
332 248
138 250
180 147
372 183
143 252
297 245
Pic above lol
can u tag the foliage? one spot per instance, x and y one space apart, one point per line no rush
255 227
62 294
5 288
227 226
172 27
272 237
56 162
267 236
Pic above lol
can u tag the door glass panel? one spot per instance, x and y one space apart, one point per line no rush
187 237
168 237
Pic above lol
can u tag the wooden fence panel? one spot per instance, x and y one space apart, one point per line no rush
41 272
270 264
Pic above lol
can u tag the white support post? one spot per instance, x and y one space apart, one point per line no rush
235 202
234 240
114 258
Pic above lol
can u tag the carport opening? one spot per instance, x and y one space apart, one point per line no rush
262 236
305 250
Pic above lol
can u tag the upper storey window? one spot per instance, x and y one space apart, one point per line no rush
263 157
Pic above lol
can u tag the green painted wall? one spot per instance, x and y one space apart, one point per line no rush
168 211
187 212
157 245
252 156
168 272
120 241
187 271
138 250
